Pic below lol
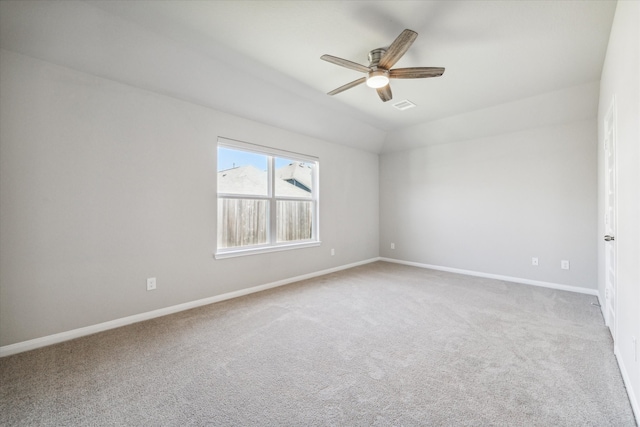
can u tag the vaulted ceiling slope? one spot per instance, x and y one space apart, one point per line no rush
261 59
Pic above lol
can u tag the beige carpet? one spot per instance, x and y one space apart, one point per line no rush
377 345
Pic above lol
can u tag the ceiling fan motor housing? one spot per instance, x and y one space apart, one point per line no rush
377 77
375 55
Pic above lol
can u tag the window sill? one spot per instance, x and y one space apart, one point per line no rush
254 251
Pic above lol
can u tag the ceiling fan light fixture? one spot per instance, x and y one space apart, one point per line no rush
378 78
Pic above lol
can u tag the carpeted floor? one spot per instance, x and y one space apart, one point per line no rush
377 345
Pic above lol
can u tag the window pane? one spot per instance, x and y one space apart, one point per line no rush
242 172
293 178
242 222
294 220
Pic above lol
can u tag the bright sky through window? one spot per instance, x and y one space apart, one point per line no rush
229 158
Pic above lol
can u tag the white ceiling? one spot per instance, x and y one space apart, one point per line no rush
261 59
493 51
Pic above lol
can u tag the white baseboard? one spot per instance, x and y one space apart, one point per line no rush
635 405
498 277
33 344
100 327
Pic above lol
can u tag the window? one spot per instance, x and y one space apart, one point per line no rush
267 199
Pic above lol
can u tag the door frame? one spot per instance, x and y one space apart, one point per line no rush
610 220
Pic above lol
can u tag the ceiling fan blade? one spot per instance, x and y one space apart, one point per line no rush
385 93
348 86
398 48
345 63
415 72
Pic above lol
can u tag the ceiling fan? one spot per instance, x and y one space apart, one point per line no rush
379 70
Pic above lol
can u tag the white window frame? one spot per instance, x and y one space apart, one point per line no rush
272 245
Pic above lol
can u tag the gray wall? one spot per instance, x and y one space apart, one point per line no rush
103 185
489 204
81 36
621 79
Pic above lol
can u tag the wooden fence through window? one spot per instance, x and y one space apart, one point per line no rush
243 222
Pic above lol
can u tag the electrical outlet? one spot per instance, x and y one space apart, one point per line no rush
333 252
393 246
534 261
564 264
151 283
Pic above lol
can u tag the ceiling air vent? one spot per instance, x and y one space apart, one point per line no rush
404 105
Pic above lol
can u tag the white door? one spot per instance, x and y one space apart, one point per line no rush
610 219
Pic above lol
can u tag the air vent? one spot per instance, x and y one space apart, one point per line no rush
403 105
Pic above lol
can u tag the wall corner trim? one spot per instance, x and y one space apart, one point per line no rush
35 343
627 383
519 280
